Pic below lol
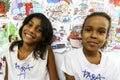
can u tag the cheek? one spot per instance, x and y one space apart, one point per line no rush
39 36
22 33
102 40
84 40
25 27
84 36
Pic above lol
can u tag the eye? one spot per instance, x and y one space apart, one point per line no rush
29 24
88 29
39 29
102 31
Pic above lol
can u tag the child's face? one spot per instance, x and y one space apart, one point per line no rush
32 32
95 33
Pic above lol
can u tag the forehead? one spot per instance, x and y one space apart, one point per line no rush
97 21
35 21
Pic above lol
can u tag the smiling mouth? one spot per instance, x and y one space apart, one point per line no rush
30 36
92 43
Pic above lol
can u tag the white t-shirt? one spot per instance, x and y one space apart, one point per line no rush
76 64
27 69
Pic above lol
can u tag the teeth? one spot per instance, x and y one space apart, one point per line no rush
92 43
29 36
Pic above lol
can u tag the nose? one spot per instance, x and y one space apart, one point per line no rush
32 30
94 35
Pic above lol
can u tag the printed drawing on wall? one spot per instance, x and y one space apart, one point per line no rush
66 16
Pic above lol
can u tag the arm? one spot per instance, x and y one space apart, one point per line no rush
67 67
52 66
3 51
68 77
6 71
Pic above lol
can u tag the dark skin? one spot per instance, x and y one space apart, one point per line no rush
51 63
6 71
69 77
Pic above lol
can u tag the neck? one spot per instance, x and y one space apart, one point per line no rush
24 51
91 53
27 47
93 57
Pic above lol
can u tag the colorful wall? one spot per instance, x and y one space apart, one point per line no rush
65 15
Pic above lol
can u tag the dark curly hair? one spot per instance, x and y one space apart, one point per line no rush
47 34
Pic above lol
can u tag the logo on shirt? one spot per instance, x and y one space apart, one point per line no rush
22 69
92 76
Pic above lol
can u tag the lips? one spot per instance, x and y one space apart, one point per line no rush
29 35
92 43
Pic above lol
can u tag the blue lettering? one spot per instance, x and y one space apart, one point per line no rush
22 69
21 74
92 76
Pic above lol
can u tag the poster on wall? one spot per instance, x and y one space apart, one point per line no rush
4 6
66 16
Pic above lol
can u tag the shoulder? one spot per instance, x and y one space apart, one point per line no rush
6 45
73 55
74 52
4 48
112 58
113 55
114 62
70 59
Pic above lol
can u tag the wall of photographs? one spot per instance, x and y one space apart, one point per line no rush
66 16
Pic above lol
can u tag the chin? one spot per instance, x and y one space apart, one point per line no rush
91 49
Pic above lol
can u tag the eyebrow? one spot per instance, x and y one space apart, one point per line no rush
34 23
87 26
103 28
31 21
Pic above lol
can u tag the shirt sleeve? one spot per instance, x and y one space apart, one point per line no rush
4 49
114 58
67 65
116 70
